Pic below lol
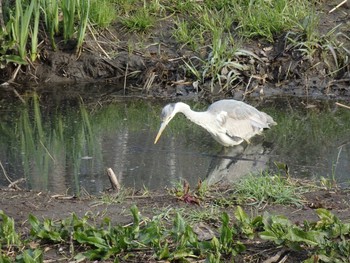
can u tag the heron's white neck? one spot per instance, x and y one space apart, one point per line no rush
199 118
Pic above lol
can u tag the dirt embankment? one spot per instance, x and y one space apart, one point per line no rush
157 67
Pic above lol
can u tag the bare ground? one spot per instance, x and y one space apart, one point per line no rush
19 204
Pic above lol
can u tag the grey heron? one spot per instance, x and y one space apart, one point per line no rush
230 122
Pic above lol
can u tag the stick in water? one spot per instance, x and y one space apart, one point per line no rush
113 179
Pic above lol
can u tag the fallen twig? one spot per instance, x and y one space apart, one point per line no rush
14 185
339 5
149 81
125 77
63 197
19 96
14 75
279 257
342 105
93 35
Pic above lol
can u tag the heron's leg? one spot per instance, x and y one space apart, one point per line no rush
233 153
237 139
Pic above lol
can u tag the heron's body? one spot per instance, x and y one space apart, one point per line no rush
229 122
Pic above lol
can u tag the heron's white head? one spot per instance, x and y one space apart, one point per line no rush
168 112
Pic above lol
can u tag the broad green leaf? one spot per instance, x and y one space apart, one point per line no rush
326 216
14 59
312 238
164 252
215 244
241 215
268 235
183 253
95 239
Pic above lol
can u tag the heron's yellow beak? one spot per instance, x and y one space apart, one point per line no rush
161 129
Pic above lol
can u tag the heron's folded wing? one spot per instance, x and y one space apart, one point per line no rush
249 114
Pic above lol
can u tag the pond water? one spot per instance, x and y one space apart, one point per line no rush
65 143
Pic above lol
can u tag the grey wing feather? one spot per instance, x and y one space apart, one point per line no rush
240 119
257 118
237 110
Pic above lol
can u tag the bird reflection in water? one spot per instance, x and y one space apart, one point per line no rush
234 162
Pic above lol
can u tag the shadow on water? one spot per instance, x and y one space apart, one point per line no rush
69 143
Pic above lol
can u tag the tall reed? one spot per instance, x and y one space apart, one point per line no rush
35 30
20 26
50 11
84 9
68 10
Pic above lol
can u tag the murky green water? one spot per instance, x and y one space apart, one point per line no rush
65 144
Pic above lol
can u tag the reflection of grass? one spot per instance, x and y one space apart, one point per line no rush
133 115
54 142
49 142
34 144
311 131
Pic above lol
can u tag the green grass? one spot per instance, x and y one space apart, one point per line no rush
309 42
258 189
210 214
310 130
188 33
51 19
69 9
108 199
140 21
269 18
21 26
103 13
24 17
83 14
214 30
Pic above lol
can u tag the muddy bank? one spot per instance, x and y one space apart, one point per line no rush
18 204
158 66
